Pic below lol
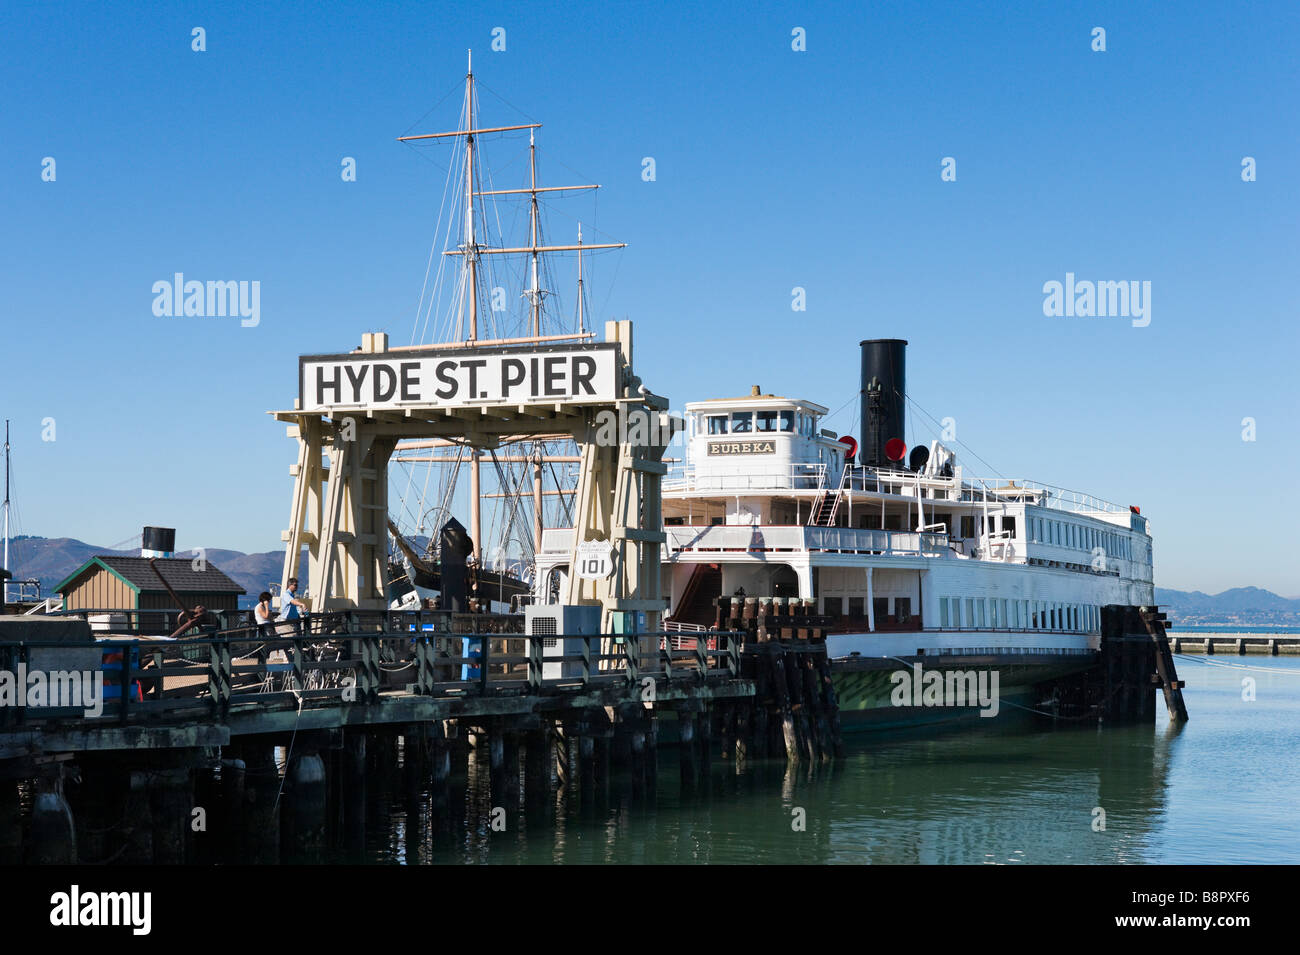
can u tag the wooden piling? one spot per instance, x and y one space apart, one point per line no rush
11 830
352 785
537 774
171 795
51 834
686 748
302 809
258 838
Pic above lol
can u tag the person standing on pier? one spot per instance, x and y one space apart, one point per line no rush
291 608
262 613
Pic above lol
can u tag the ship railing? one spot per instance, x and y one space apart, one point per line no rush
887 481
348 658
1001 490
807 476
767 538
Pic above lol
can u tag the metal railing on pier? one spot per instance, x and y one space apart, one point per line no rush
350 657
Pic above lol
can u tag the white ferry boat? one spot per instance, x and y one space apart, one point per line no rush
914 561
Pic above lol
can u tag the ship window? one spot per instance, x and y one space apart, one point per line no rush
967 526
1004 618
1009 525
717 424
902 609
766 420
742 422
787 420
970 613
943 613
855 607
979 613
832 606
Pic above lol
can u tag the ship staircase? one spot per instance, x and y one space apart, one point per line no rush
697 603
826 508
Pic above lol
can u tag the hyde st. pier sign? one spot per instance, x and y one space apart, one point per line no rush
455 378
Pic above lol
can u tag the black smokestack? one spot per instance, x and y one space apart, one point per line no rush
883 406
158 542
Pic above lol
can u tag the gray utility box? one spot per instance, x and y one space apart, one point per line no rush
557 626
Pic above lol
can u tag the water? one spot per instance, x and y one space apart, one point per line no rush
1219 789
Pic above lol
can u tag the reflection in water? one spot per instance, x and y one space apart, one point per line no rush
1214 790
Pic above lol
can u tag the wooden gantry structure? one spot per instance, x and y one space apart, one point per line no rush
354 409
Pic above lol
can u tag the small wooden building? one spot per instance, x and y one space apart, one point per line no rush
108 582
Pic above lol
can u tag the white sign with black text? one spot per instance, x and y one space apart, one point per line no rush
595 560
448 379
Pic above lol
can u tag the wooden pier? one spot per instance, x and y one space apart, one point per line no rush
1237 643
266 731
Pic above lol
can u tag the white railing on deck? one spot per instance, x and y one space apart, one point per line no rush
788 477
1042 495
768 538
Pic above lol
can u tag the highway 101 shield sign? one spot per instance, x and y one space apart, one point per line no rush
595 560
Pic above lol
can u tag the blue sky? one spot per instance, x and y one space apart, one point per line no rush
774 169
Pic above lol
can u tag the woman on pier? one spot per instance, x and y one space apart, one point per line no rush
263 613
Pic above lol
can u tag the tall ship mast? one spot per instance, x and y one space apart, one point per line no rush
515 493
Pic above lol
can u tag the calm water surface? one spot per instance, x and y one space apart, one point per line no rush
1221 788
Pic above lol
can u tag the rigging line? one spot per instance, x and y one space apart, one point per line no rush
958 440
513 497
568 513
609 291
830 417
446 186
436 293
587 227
456 88
479 84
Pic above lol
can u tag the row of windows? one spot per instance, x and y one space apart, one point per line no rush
1001 613
748 422
1066 534
881 607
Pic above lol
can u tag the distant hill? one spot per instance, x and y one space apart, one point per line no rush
51 559
1241 605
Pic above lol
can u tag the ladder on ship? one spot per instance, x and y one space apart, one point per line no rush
826 508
